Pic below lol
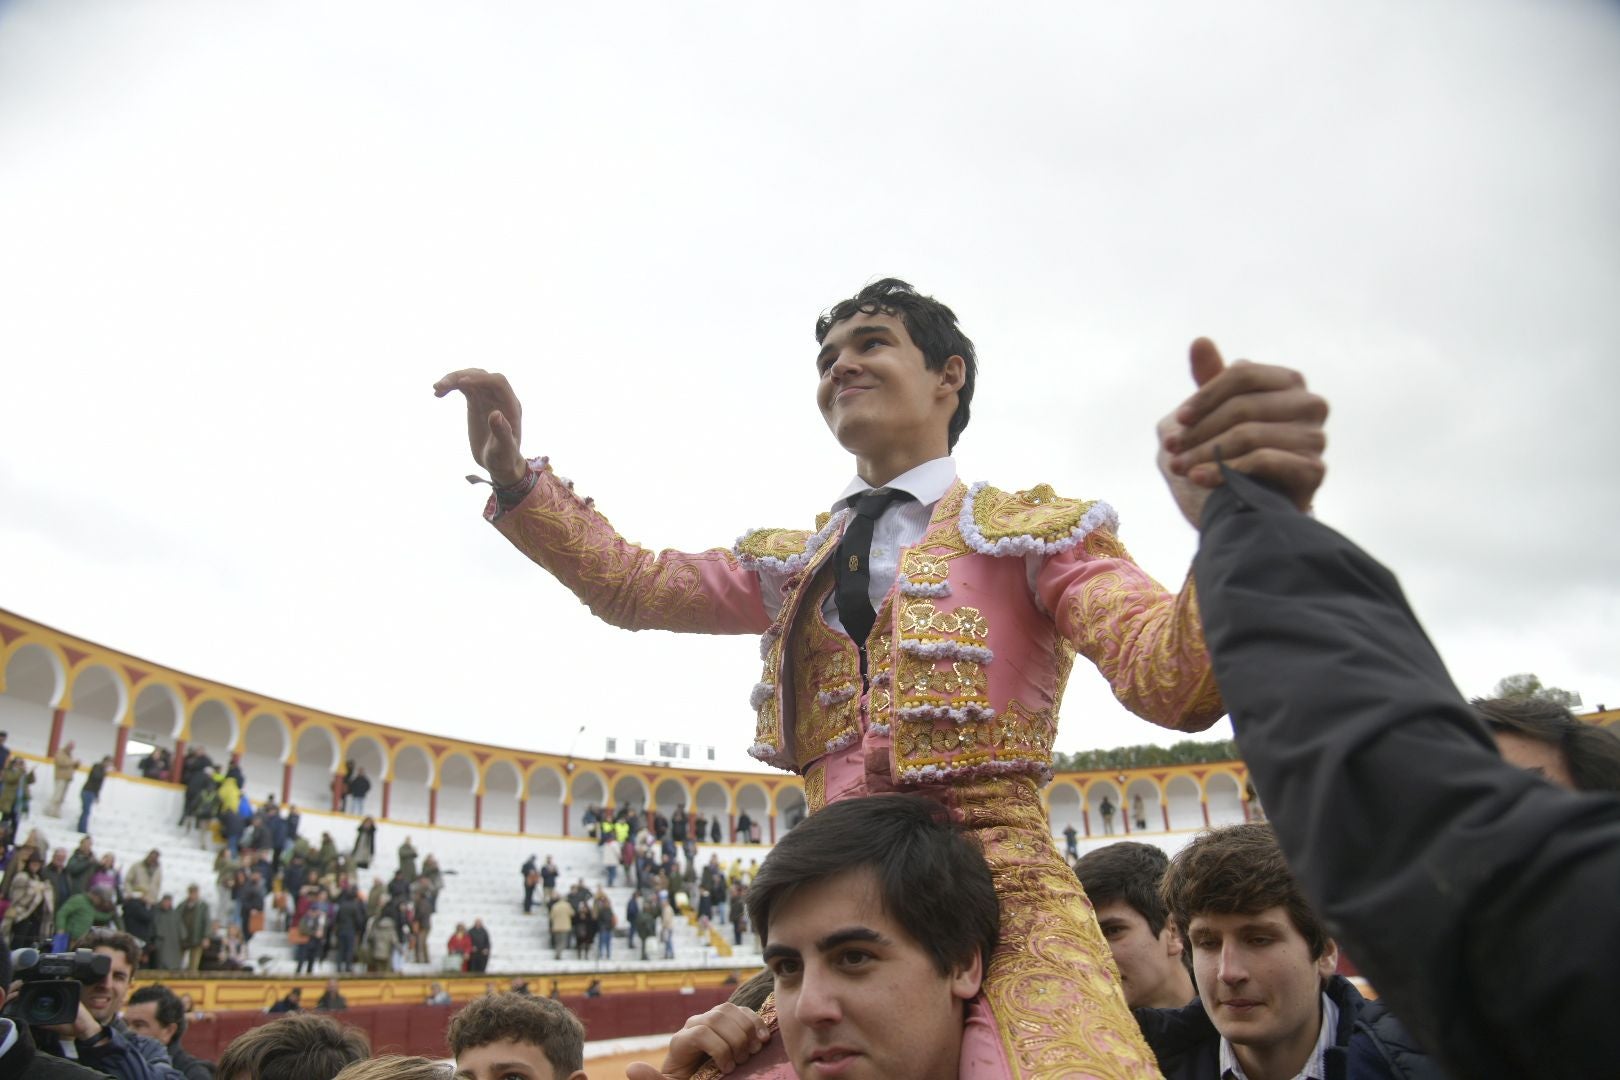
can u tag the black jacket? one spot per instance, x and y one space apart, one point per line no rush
193 1068
24 1062
1477 897
1370 1043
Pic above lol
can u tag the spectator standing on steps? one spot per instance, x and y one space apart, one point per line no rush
66 764
479 959
548 880
90 794
15 779
348 922
1107 809
193 928
359 788
365 840
531 881
407 860
1071 846
562 924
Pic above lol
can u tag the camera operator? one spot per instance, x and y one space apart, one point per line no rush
97 1037
19 1059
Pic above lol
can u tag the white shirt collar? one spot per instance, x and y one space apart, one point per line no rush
927 483
10 1038
1315 1067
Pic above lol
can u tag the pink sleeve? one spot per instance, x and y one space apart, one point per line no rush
622 583
1147 641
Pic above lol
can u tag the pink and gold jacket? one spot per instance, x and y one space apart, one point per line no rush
971 648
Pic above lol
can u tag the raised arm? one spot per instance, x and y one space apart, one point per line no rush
1145 640
622 583
1477 898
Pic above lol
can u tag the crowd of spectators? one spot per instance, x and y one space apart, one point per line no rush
655 856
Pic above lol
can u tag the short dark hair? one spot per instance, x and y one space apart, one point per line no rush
298 1046
932 327
106 937
521 1018
931 876
1129 871
169 1008
1591 753
1238 870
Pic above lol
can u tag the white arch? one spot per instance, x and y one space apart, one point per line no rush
158 711
631 788
316 751
1181 793
503 791
100 694
35 681
215 725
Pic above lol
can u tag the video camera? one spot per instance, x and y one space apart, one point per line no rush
51 984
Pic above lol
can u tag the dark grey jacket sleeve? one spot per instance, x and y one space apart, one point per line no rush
129 1057
1478 899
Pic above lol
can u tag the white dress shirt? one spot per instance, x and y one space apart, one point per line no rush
900 526
1315 1068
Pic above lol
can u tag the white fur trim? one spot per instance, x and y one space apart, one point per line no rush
946 650
959 714
836 696
794 563
1101 515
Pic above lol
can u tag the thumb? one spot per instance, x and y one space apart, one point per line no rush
1206 361
502 427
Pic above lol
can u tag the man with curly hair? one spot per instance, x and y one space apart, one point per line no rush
517 1037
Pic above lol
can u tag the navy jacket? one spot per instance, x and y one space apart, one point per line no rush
1477 897
1370 1044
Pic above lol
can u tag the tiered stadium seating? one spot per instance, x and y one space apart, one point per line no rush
482 880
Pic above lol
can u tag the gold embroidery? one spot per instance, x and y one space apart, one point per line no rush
815 787
622 583
1037 512
1150 647
922 618
824 662
1052 984
774 543
1017 735
923 567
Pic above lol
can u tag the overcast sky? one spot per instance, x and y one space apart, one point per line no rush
239 242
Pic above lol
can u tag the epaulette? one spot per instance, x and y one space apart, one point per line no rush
785 550
1036 521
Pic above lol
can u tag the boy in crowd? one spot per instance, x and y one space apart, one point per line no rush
299 1046
517 1037
1269 1005
1123 882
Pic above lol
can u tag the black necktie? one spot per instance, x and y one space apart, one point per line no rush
854 552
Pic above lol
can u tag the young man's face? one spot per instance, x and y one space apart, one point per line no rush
857 997
1149 964
143 1020
875 389
508 1059
1257 979
103 999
